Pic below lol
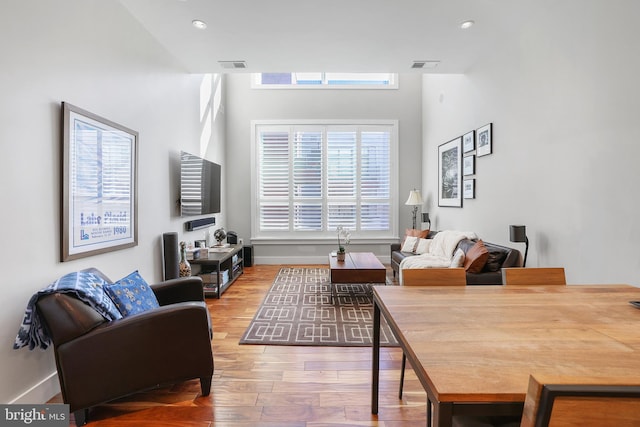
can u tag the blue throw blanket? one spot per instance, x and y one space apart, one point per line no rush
84 285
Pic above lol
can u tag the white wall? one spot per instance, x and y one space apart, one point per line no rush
92 54
245 104
563 95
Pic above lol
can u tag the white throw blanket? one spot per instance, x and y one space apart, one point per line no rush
440 251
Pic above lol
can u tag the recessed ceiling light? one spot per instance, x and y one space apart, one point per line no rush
466 24
201 25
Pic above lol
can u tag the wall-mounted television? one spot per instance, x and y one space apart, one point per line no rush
199 185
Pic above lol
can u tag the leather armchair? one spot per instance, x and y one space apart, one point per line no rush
100 360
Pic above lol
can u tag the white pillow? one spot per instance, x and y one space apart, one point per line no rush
423 246
409 244
458 259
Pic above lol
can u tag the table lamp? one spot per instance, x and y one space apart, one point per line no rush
415 200
518 233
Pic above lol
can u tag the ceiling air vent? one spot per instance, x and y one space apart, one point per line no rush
430 64
233 64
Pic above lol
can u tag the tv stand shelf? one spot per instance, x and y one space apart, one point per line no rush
213 267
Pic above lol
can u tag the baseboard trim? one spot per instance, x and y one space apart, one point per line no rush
40 393
278 260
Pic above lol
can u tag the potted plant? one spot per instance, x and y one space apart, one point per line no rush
346 235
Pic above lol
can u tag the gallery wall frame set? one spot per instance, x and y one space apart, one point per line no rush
457 159
99 197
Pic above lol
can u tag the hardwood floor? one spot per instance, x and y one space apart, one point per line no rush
273 386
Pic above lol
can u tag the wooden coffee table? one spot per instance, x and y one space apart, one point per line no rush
357 267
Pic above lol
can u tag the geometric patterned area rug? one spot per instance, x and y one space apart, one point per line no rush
298 310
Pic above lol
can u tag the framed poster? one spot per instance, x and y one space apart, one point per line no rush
99 185
485 143
450 173
469 141
469 165
469 188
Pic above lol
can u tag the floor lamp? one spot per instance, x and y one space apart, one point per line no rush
415 200
518 233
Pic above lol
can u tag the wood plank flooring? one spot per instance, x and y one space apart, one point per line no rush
273 386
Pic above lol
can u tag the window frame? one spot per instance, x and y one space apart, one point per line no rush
256 83
316 237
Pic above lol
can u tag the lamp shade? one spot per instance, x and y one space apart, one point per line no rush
517 233
415 199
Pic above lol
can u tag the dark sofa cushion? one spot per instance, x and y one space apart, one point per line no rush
495 260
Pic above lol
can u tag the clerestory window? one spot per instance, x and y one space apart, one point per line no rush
325 80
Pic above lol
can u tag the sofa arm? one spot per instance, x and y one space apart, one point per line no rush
179 290
395 247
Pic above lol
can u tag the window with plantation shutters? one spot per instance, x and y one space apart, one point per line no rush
312 178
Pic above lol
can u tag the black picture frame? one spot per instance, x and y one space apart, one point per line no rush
469 165
450 173
469 142
469 188
484 136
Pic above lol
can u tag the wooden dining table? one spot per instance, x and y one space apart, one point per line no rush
474 347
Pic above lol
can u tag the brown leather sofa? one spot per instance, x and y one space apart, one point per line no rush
499 257
100 360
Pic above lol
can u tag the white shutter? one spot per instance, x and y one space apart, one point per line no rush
341 164
307 179
315 178
375 173
274 216
307 164
274 180
274 164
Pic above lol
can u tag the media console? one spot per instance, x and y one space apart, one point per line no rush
219 269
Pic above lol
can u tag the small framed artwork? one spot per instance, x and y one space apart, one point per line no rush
469 188
485 143
450 173
469 141
469 165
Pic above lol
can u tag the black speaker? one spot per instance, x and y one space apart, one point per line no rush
232 238
199 223
170 256
247 255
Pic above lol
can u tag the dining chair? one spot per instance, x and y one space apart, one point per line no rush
560 402
520 276
434 277
596 402
429 277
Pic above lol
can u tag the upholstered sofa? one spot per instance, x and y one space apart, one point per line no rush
99 360
499 257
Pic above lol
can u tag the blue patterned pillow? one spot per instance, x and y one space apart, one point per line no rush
132 295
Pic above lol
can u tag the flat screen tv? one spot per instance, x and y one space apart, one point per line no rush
199 185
